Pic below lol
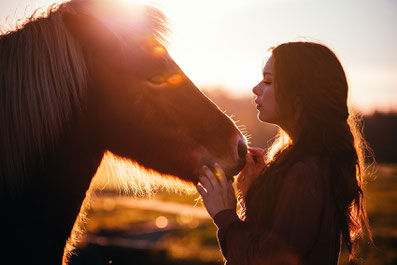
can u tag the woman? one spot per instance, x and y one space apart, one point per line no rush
305 195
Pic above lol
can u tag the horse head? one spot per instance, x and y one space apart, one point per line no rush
140 104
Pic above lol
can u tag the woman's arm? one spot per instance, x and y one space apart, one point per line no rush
294 229
253 167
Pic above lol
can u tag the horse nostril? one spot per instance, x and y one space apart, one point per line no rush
242 149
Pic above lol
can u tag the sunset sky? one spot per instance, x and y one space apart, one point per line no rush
222 42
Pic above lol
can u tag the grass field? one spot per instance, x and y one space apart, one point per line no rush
170 229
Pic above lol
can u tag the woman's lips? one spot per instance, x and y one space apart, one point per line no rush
258 105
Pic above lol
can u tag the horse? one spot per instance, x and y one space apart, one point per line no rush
86 78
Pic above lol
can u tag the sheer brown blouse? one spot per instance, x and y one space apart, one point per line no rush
304 228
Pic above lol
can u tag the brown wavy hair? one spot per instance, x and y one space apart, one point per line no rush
325 127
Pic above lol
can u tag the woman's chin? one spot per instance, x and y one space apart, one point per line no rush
267 118
263 118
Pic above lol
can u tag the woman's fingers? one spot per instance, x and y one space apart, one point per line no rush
217 195
211 177
220 174
205 182
248 168
201 190
250 163
258 155
257 151
213 181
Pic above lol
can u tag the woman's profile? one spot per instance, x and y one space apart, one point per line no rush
303 197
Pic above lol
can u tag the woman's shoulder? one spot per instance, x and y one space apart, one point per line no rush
309 174
310 166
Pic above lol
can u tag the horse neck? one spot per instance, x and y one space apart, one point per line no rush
69 170
48 208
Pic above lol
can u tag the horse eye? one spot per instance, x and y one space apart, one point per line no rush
157 80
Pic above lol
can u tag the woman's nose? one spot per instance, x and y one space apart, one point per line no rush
256 90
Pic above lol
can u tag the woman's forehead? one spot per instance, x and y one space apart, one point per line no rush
268 67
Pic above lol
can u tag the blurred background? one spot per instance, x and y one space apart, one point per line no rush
221 45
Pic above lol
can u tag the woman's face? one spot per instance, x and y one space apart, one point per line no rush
265 101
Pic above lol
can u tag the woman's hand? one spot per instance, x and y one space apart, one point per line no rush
254 165
217 195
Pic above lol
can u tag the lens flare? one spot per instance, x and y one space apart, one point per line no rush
161 222
152 46
174 79
158 51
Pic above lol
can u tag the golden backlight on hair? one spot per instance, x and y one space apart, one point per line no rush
129 177
281 142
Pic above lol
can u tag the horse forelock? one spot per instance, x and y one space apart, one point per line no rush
43 83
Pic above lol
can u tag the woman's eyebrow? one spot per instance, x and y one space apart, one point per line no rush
266 73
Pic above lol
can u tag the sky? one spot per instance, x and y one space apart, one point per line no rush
222 43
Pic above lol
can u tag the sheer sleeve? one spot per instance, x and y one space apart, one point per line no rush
294 230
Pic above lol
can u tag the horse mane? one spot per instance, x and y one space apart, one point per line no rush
43 84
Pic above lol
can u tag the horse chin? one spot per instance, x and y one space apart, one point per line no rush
231 173
230 170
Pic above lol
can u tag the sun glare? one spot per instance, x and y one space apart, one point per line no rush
141 2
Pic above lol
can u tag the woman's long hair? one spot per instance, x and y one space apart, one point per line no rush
311 74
